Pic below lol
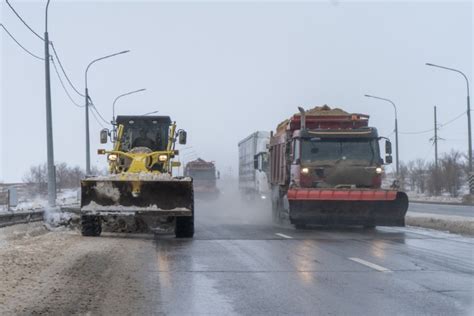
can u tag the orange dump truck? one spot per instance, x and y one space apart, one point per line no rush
205 178
326 169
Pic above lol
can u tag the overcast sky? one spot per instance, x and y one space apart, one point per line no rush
224 70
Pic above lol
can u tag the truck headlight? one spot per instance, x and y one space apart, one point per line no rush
305 171
378 170
162 158
112 157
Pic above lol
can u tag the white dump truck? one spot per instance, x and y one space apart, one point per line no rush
253 165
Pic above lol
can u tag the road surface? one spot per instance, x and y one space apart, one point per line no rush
442 209
237 264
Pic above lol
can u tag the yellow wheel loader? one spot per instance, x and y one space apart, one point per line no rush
140 182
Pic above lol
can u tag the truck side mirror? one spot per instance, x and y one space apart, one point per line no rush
388 147
255 162
182 135
388 159
104 134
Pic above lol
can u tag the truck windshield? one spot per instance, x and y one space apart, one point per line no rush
202 174
363 151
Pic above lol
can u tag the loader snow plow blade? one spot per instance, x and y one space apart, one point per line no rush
347 207
132 195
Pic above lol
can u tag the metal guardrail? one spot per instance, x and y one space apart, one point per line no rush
35 215
8 219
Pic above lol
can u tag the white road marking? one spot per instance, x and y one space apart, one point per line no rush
370 265
284 236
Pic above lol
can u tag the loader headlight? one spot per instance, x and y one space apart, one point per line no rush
112 157
378 170
305 171
162 158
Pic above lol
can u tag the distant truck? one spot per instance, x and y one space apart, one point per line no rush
253 165
204 176
326 169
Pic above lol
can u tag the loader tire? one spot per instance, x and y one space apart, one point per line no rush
91 226
184 227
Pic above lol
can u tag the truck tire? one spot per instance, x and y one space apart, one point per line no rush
91 225
184 226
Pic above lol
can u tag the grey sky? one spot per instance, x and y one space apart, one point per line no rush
224 70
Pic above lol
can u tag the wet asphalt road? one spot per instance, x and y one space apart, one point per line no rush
442 209
262 269
239 263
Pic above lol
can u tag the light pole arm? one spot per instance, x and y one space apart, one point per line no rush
455 70
46 17
120 96
387 100
101 58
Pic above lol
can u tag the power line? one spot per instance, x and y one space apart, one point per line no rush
452 120
64 87
93 107
21 19
432 129
100 115
64 72
18 43
97 120
419 132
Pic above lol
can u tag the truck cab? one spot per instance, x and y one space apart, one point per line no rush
326 169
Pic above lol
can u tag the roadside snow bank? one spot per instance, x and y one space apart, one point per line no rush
451 223
65 197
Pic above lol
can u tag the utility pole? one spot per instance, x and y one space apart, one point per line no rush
436 139
88 145
87 104
469 132
397 163
49 120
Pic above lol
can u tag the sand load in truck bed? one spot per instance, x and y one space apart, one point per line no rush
140 193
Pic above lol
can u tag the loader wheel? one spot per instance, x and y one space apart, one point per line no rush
184 227
91 225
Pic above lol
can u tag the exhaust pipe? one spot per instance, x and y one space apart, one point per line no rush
303 118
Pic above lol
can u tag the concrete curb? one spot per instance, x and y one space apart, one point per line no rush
453 224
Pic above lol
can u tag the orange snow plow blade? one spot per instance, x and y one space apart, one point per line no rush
366 207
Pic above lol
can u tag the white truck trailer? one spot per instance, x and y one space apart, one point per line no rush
253 165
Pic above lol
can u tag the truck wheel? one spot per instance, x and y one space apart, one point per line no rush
91 225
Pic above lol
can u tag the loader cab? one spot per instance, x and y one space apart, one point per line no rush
144 131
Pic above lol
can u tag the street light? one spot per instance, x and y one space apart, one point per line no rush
396 127
113 107
49 119
120 96
88 156
468 111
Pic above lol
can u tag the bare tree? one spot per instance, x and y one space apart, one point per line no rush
451 172
36 177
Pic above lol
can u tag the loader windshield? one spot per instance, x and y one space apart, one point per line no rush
358 151
146 133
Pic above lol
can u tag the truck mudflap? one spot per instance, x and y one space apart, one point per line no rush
367 207
135 196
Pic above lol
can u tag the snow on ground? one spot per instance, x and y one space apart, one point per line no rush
65 197
413 196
